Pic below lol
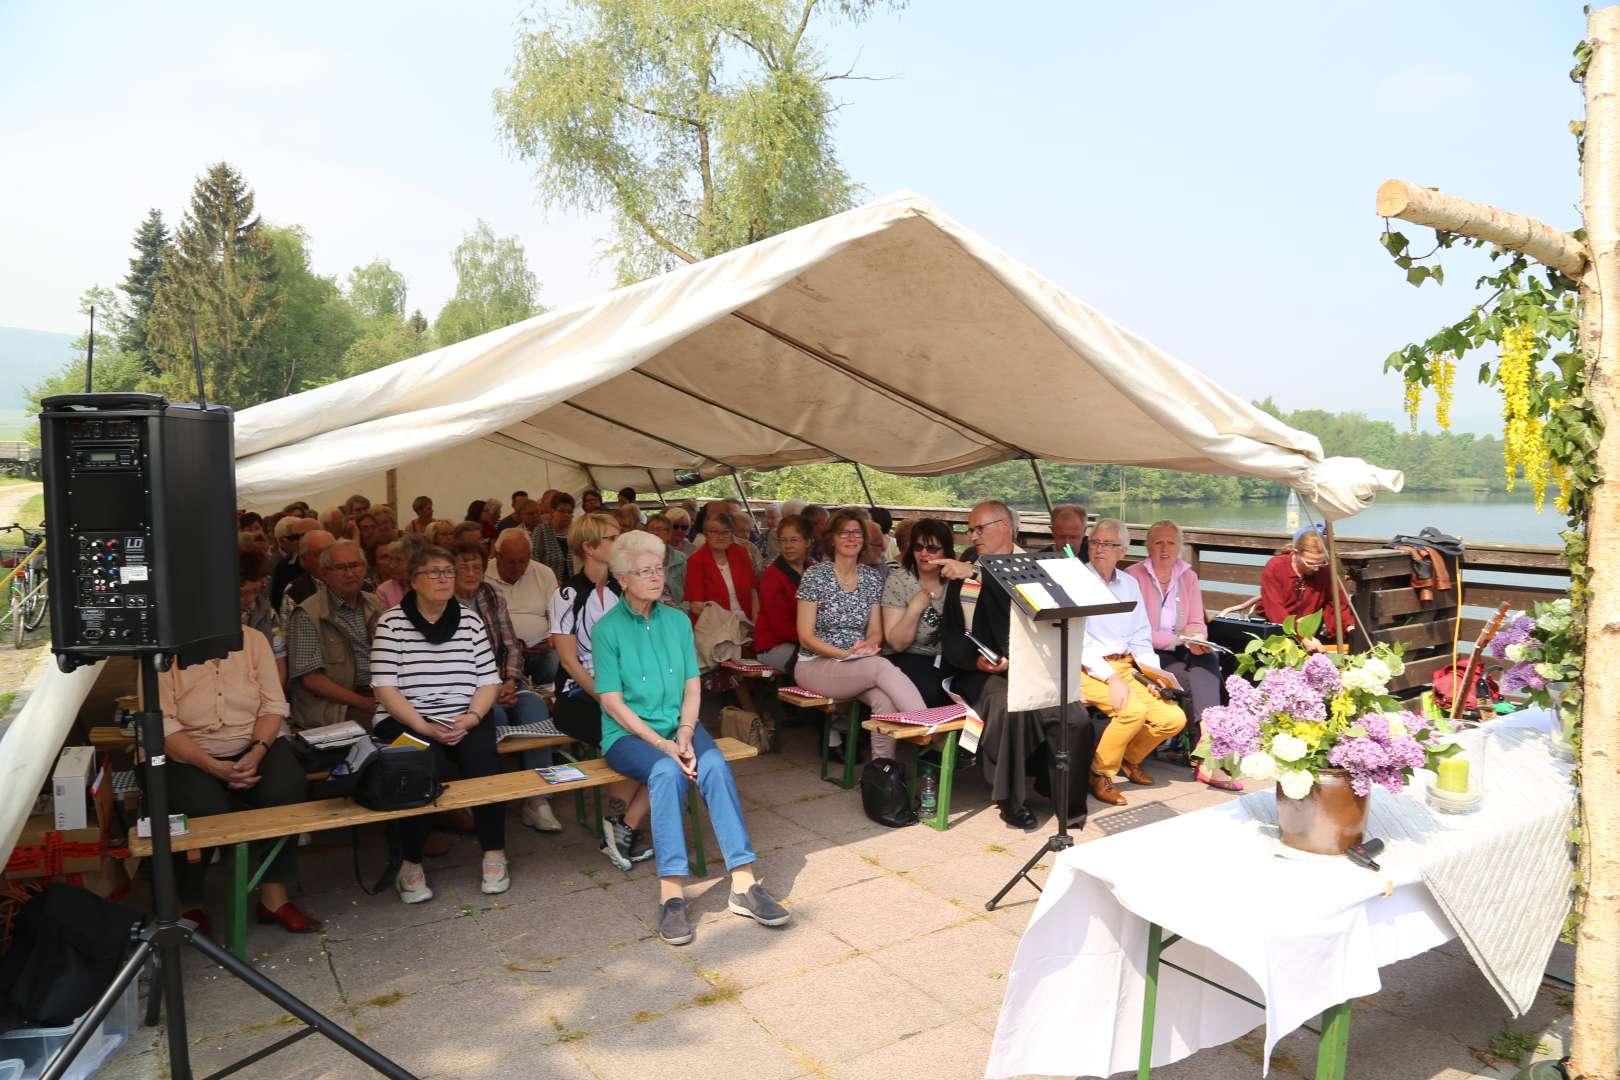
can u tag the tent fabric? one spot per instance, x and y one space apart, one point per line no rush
890 335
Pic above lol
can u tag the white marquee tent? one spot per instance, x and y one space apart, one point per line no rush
889 335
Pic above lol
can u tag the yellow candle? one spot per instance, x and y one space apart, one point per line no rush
1452 774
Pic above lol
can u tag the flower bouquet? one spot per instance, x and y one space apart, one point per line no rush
1544 649
1327 730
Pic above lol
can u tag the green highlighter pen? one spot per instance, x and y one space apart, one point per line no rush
1069 551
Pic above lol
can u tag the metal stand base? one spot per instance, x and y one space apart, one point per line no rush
160 945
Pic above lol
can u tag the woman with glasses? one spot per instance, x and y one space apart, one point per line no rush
435 678
661 526
1299 582
720 572
913 607
647 676
841 630
1175 611
776 634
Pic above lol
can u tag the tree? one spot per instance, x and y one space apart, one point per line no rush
117 370
494 287
377 290
1561 404
313 329
151 246
222 272
699 127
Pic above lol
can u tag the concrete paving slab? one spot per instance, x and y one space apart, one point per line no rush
719 1041
948 1052
813 868
964 968
881 912
413 960
612 987
745 954
842 1011
580 922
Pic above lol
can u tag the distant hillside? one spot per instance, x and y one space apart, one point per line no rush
26 357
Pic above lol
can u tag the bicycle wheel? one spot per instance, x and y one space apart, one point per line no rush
36 598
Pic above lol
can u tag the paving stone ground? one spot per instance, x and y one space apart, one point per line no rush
891 969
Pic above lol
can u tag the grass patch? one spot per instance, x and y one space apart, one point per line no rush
32 512
995 849
724 990
6 698
1513 1046
284 1020
644 1017
570 1036
382 1001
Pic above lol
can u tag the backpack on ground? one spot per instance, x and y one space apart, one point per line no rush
884 795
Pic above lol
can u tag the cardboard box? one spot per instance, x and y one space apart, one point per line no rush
42 850
75 769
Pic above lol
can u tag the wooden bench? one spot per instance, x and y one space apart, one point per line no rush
239 828
924 738
829 709
754 671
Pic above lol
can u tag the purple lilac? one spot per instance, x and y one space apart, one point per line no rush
1517 632
1231 730
1322 676
1287 691
1523 676
1378 757
1243 694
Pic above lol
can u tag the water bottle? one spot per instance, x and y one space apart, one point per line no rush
928 797
1293 511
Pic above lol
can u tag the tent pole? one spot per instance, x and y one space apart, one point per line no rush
393 491
864 485
1333 566
1040 482
656 489
737 479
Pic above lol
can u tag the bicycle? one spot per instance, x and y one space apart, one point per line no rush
25 583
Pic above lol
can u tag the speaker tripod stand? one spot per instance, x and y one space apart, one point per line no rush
162 942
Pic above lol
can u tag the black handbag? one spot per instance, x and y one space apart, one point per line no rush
884 795
399 778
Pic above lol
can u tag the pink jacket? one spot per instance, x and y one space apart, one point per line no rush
1189 602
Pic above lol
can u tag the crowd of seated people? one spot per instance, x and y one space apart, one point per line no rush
354 616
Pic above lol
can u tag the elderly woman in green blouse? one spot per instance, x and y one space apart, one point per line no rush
647 679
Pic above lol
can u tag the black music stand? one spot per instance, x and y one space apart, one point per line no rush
1044 600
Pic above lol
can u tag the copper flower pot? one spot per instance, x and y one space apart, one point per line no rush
1328 821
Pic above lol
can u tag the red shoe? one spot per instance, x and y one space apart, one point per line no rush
295 921
196 915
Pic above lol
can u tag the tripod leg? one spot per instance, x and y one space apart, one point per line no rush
990 905
298 1009
63 1058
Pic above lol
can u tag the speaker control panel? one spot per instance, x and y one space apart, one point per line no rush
114 600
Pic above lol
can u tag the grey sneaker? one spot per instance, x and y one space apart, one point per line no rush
641 848
760 906
672 924
616 840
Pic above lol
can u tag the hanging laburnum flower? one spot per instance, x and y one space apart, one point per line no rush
1523 449
1443 374
1414 395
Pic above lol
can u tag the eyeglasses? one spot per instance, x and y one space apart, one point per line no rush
347 567
853 534
975 530
469 568
933 549
1107 545
646 573
438 573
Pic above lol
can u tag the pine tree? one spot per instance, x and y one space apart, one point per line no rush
221 271
151 245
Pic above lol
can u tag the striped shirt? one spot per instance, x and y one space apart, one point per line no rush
437 680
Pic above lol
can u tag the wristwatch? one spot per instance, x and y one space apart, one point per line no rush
259 742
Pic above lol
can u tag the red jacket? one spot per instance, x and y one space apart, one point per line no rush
703 580
778 622
1284 593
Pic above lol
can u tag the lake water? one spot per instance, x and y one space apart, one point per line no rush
1483 519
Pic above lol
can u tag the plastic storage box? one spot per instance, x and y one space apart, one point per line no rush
35 1046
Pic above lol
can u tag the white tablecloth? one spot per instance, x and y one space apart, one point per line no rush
1299 934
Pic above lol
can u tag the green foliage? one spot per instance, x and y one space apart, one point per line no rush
116 370
222 273
699 127
494 287
377 291
151 247
305 345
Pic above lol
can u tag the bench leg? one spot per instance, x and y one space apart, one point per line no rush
700 862
771 710
947 771
579 795
237 925
852 744
1150 1001
826 735
1335 1045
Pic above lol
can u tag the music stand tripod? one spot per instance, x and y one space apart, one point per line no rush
161 942
1035 592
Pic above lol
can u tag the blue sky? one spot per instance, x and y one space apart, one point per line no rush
1202 173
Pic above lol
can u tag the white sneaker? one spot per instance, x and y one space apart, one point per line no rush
412 885
537 815
495 877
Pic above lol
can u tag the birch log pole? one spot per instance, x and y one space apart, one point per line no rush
1595 1038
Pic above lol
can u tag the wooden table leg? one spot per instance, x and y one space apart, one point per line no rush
1150 1001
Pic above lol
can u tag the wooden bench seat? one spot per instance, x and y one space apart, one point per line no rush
239 828
943 735
829 709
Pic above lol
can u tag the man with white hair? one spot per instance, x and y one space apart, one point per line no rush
527 587
329 642
303 586
1117 649
290 531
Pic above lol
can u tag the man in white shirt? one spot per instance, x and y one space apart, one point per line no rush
527 587
1116 648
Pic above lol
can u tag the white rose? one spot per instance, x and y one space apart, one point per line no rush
1514 652
1358 680
1286 747
1296 783
1377 671
1396 728
1258 766
1549 672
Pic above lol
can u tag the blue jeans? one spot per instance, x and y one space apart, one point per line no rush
666 788
541 668
530 708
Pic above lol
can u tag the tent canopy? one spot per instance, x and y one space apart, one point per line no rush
885 336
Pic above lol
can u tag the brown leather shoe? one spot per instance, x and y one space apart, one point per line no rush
1134 773
1104 789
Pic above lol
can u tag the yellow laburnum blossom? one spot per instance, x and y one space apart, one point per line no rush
1523 449
1414 397
1443 373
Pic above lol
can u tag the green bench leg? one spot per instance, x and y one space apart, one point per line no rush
700 861
1335 1045
579 796
242 885
826 734
947 771
1150 1001
852 744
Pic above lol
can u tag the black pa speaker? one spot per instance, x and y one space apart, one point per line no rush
140 512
